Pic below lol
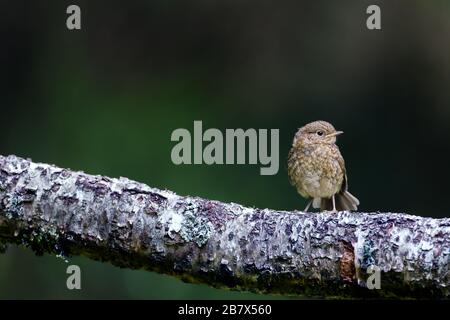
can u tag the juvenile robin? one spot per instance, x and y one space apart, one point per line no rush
317 169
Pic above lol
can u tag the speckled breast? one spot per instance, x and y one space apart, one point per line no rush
318 173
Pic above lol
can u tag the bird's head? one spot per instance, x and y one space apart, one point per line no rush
317 132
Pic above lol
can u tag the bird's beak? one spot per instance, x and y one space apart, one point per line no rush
334 134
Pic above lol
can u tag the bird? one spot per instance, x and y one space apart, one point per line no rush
317 169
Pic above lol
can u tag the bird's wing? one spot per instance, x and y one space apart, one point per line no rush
345 200
341 162
292 166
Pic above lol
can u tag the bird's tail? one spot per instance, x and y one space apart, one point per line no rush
344 201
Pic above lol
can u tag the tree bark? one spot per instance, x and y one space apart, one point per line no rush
226 245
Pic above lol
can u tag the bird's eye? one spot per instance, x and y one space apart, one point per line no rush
319 133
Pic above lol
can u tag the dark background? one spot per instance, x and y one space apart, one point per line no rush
107 98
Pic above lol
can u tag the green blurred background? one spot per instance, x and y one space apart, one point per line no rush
107 98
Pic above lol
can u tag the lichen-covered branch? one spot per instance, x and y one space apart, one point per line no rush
132 225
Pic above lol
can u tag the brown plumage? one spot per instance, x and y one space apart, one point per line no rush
317 169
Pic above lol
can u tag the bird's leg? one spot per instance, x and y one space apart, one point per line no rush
334 204
308 205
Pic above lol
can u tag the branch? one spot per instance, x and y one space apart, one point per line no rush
132 225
